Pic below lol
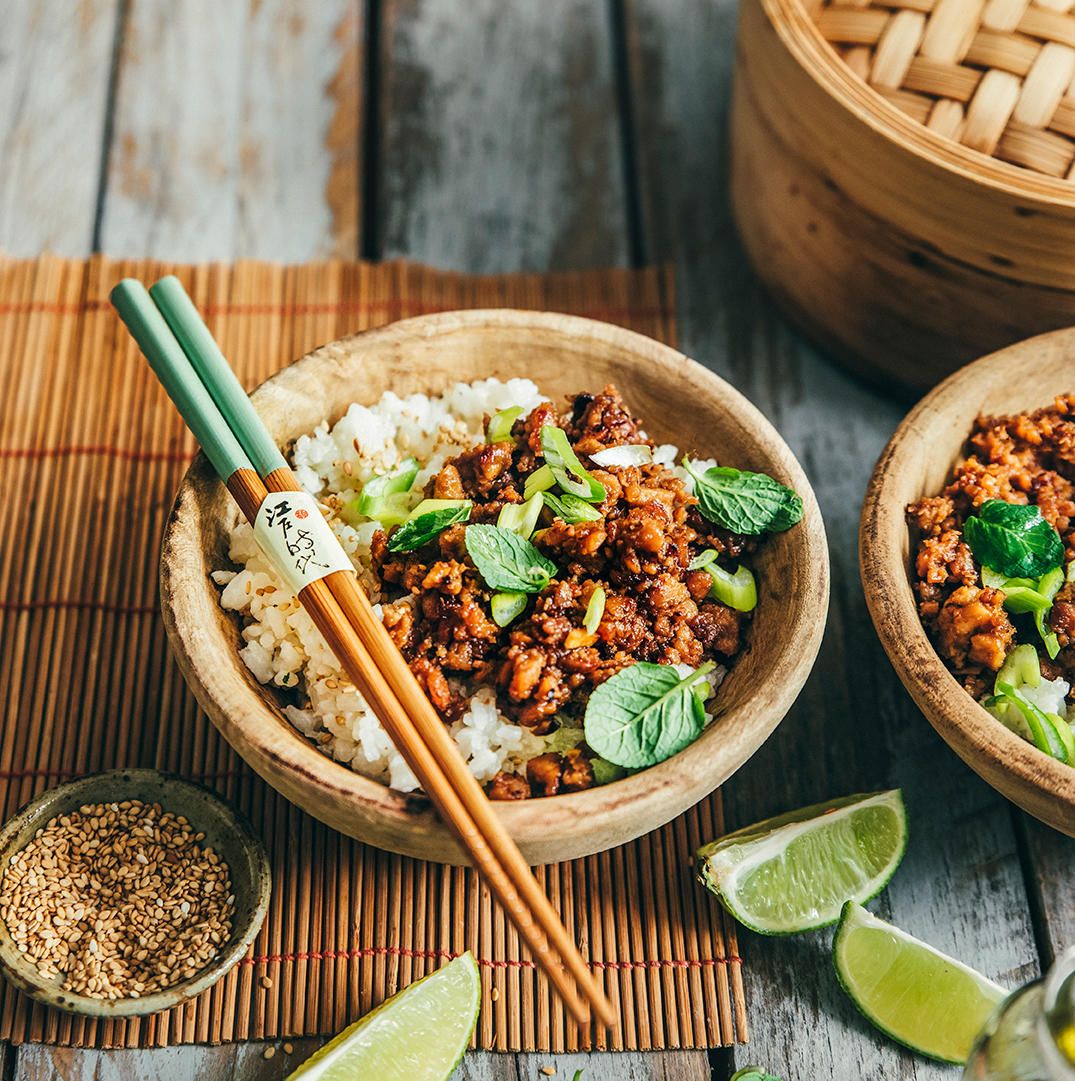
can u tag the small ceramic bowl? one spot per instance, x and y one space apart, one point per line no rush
680 402
226 831
916 463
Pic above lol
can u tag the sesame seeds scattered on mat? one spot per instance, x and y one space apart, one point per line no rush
121 899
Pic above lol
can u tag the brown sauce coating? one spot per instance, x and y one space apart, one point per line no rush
545 663
1024 458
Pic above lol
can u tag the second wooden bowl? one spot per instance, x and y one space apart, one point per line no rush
916 463
680 402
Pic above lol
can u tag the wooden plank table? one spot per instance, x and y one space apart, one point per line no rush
496 135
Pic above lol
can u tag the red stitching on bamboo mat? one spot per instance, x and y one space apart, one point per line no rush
183 457
79 604
24 774
443 955
391 307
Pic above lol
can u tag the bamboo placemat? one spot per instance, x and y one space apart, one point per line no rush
91 453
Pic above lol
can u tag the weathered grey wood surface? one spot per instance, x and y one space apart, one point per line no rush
495 135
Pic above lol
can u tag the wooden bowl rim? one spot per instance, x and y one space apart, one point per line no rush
527 820
804 40
964 724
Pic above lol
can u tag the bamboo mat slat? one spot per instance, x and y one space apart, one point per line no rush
91 453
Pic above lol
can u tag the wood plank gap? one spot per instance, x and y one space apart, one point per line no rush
370 239
108 129
1039 920
622 86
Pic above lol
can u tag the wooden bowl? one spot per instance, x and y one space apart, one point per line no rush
225 830
903 250
679 401
916 463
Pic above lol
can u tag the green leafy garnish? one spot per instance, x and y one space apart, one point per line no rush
578 1076
1016 541
506 561
1033 595
595 609
753 1073
506 607
1043 730
430 517
746 503
538 481
570 508
521 517
566 468
499 430
605 772
645 714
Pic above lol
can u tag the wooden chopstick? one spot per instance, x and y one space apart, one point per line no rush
345 618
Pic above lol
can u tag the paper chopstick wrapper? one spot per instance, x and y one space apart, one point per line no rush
293 533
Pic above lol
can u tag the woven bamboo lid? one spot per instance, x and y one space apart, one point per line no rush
997 76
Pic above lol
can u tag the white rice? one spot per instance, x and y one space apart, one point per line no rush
284 648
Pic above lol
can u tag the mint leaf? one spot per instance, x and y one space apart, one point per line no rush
1016 541
506 561
645 714
423 528
747 503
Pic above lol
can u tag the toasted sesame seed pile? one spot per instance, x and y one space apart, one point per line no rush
121 899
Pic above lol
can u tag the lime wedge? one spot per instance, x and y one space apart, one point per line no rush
794 872
419 1034
910 991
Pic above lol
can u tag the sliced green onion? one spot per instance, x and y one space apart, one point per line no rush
521 517
1021 668
506 607
566 467
428 505
570 508
995 580
1069 574
499 430
628 454
738 591
1063 730
595 609
1029 595
1042 730
384 497
389 511
703 559
538 481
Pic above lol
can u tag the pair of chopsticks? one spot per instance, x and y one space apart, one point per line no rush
197 377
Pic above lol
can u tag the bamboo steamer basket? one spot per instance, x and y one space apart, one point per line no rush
903 174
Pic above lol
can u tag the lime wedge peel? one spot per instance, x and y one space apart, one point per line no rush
419 1034
915 994
794 872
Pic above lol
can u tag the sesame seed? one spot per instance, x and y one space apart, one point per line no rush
269 1052
266 982
288 1048
119 900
